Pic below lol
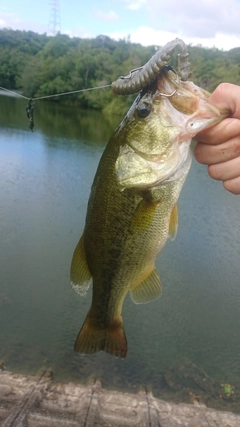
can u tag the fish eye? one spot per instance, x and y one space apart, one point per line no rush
143 109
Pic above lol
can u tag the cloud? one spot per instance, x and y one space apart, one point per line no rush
134 4
110 16
146 36
83 32
7 20
202 18
11 20
149 36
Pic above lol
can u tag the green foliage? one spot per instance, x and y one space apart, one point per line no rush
39 65
210 67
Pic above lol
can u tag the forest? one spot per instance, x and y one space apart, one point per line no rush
38 65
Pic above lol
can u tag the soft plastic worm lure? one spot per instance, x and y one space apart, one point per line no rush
141 77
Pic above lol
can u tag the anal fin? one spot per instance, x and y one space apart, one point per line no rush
81 277
148 290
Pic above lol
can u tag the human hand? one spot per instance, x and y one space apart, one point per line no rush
219 146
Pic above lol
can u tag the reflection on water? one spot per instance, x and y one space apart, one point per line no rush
44 187
57 121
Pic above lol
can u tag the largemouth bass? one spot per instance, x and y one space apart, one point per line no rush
132 209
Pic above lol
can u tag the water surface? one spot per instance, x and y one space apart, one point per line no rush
44 187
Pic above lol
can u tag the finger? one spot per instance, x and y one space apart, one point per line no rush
211 154
221 132
225 171
226 96
233 185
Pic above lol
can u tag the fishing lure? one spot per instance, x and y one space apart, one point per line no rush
141 77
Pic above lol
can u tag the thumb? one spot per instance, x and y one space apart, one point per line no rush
227 96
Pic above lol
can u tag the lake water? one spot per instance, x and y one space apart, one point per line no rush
45 180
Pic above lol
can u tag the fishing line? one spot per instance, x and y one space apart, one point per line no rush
14 93
57 94
30 105
135 81
69 93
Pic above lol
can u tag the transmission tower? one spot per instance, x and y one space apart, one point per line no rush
54 22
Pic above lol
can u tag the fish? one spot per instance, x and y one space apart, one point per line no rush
132 208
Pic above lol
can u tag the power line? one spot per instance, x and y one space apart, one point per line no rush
54 22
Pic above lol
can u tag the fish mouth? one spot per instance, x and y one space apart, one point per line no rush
190 100
136 169
180 110
206 116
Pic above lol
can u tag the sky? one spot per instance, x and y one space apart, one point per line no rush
210 23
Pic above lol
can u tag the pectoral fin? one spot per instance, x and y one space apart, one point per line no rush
143 216
81 277
173 223
148 290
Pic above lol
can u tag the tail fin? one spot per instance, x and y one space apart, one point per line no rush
93 338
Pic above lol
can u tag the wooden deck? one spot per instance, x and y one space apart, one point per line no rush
27 401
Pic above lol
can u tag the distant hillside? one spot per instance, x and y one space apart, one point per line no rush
37 65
